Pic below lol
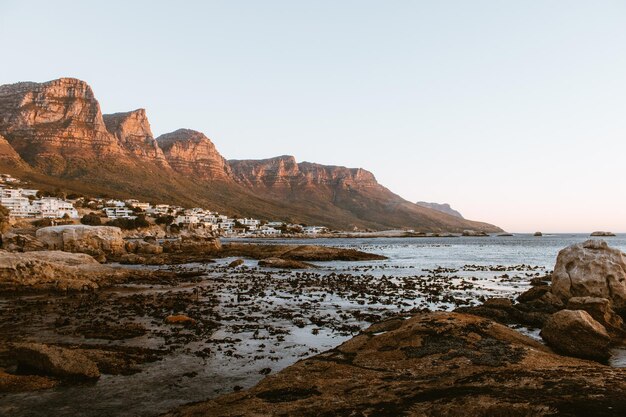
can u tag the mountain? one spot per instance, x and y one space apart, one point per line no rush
191 153
55 135
444 208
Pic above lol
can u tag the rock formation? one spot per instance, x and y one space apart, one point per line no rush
444 208
191 153
8 155
133 132
591 269
52 125
56 361
337 191
603 234
97 241
52 270
576 333
433 364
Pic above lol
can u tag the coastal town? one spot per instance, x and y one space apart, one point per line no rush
27 203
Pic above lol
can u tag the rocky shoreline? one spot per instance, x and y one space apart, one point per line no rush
69 319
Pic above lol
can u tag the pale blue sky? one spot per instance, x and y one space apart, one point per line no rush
512 111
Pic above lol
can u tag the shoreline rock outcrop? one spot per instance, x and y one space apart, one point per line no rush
52 270
591 269
433 364
97 241
576 333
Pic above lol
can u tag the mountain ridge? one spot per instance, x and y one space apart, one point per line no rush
55 134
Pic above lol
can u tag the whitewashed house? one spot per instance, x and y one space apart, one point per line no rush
187 219
119 213
251 224
269 231
114 203
18 205
313 230
54 208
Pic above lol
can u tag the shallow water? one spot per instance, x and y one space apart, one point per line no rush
269 319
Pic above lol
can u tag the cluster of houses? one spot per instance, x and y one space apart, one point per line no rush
200 218
25 203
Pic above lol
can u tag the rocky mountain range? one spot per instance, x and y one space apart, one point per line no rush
442 207
54 135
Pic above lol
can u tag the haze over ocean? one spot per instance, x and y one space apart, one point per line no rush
511 112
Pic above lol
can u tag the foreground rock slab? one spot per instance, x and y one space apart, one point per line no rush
434 364
55 270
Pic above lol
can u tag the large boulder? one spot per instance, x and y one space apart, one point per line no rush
97 241
601 311
193 245
433 364
55 361
576 333
591 269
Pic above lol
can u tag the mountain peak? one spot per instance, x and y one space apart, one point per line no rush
441 207
192 153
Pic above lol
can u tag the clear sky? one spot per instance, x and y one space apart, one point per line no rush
514 112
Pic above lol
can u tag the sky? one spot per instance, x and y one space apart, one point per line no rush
513 112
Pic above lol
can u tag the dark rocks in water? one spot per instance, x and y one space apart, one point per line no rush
284 264
432 364
55 361
544 280
474 233
576 333
236 263
24 383
306 253
107 331
602 234
533 293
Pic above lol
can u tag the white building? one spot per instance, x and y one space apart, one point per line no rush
20 205
227 225
187 219
251 224
54 208
114 203
119 213
138 204
269 231
159 209
313 230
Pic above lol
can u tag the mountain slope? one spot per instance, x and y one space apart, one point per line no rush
340 192
442 207
55 135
